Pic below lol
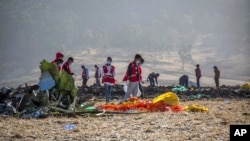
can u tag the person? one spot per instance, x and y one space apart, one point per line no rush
183 80
108 74
140 77
85 75
152 78
58 63
133 77
141 82
216 76
59 55
198 75
97 76
66 65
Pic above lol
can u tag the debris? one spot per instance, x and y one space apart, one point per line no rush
195 108
46 81
199 96
69 127
169 98
245 86
179 88
226 101
165 102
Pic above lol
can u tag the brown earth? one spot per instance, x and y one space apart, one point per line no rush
211 125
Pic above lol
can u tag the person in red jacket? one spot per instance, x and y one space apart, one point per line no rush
108 74
59 55
140 77
85 75
59 63
133 77
66 65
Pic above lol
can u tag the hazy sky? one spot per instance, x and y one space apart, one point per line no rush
33 30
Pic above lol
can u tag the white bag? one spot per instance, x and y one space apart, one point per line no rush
125 87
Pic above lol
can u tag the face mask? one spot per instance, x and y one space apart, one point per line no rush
108 62
140 64
137 62
59 65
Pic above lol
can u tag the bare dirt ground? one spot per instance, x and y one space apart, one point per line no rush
211 125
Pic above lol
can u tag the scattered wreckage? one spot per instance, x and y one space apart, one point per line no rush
56 94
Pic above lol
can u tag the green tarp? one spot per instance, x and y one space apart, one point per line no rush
63 80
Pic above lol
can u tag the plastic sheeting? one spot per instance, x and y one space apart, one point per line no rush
179 88
245 86
63 80
169 98
195 108
165 102
46 81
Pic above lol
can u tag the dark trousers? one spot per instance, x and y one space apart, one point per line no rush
97 82
151 81
198 82
108 89
141 89
216 82
84 81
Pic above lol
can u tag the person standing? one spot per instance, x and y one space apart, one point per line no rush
85 76
133 77
66 65
97 76
108 74
198 75
216 76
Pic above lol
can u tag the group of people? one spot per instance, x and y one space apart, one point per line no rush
132 77
63 66
184 78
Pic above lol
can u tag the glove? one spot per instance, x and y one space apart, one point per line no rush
127 82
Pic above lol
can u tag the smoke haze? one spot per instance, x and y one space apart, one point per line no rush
214 32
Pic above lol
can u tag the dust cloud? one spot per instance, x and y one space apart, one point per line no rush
214 32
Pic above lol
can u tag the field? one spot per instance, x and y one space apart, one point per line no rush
211 125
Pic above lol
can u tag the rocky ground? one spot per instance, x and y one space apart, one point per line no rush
211 125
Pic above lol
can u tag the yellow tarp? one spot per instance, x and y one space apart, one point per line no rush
195 108
245 86
169 98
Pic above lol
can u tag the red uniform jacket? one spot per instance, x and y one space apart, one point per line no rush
108 77
58 55
66 67
134 71
84 73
